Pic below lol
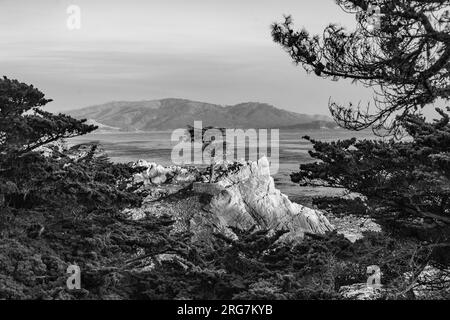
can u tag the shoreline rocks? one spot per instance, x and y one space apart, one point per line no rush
242 196
361 291
249 198
156 174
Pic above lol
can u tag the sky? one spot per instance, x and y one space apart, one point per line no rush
205 50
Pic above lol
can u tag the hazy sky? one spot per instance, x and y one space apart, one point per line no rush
207 50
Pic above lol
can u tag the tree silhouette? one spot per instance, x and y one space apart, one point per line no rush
24 126
400 48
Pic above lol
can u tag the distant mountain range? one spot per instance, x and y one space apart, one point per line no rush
168 114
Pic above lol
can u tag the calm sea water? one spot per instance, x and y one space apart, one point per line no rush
157 147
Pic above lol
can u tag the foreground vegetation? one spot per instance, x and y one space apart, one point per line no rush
66 207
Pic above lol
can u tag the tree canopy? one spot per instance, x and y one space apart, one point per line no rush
24 126
400 48
406 184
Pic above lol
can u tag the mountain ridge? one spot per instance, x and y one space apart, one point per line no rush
173 113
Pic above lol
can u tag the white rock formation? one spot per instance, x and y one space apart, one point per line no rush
249 198
156 174
361 291
244 197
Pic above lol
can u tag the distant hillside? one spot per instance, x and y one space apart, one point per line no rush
169 114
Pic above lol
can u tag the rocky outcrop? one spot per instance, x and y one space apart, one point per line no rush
249 198
353 227
431 284
361 291
156 174
244 197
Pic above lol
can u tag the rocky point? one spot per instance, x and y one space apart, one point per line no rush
242 195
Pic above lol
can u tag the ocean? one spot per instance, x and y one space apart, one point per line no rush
156 146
